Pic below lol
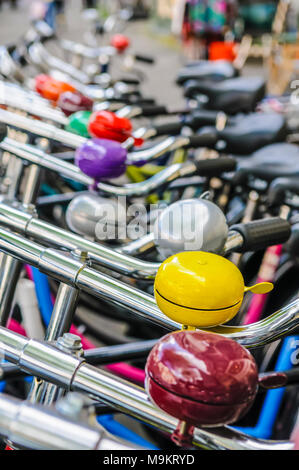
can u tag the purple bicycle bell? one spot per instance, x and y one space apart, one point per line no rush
101 159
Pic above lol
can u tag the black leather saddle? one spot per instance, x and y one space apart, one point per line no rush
231 96
243 134
217 70
249 133
270 162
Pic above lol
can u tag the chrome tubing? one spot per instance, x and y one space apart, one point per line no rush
86 51
168 145
38 157
41 129
50 132
144 132
75 273
8 67
138 247
233 242
32 185
34 109
9 275
10 88
35 156
258 334
35 427
63 312
15 217
11 267
129 112
40 57
31 103
49 363
166 176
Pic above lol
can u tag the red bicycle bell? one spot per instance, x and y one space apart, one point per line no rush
107 125
201 378
72 102
50 88
120 42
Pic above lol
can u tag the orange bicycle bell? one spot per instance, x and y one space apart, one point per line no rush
201 290
50 88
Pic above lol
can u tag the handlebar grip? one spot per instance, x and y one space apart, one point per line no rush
143 102
172 128
130 81
153 110
272 380
261 234
215 166
206 138
292 375
144 58
201 118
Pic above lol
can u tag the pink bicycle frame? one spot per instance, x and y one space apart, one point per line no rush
267 272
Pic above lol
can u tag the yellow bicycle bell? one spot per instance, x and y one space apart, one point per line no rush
201 290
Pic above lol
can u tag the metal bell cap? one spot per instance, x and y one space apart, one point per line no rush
190 225
101 159
95 217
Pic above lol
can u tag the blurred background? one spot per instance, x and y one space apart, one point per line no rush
263 35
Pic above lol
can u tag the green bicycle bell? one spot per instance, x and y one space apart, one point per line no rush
78 123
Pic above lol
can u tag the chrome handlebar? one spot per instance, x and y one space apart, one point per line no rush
40 57
36 427
33 155
41 129
76 273
30 103
49 363
15 217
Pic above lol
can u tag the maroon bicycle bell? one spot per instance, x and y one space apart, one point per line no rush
72 102
201 378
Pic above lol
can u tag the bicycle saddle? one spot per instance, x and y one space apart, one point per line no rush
205 70
231 96
247 134
270 162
